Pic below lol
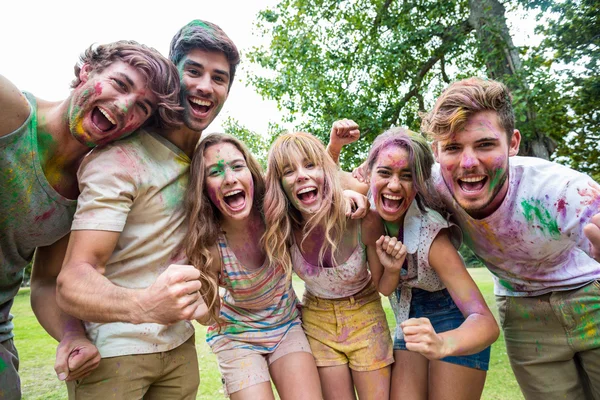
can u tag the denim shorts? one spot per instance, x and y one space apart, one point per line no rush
444 316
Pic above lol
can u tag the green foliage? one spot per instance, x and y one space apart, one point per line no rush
256 143
382 62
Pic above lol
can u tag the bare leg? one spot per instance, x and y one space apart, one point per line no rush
373 385
450 381
409 376
296 377
262 391
336 383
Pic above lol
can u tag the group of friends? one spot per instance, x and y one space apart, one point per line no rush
140 223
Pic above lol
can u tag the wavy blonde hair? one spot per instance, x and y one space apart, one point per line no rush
203 216
282 217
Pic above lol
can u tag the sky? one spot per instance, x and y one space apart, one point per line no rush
40 42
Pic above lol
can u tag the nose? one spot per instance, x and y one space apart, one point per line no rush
230 176
468 159
203 84
394 183
301 174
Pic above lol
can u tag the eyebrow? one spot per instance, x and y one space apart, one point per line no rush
218 163
198 65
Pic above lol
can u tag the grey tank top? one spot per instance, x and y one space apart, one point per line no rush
32 213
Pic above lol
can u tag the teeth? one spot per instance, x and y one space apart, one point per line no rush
233 192
200 102
473 179
391 196
112 121
305 190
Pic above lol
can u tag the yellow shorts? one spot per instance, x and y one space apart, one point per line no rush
352 330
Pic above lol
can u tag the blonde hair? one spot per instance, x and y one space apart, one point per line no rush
459 101
282 217
203 215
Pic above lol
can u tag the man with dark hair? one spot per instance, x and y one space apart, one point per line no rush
118 87
125 267
535 225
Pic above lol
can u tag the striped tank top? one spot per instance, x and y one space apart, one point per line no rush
258 308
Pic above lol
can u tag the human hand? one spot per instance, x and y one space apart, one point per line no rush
592 231
76 357
360 173
391 253
420 337
173 297
357 204
343 132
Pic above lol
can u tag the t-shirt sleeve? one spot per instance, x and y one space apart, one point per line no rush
107 187
576 204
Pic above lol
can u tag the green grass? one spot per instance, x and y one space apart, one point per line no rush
37 349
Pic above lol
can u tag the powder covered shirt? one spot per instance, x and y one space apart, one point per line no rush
419 231
343 280
32 214
258 308
136 186
534 242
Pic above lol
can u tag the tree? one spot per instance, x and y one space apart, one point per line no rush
381 62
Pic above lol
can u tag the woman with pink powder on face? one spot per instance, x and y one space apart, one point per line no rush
444 326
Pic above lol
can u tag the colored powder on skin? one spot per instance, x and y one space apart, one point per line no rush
534 211
496 178
98 88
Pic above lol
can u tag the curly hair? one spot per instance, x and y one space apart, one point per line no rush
203 215
282 217
160 74
460 100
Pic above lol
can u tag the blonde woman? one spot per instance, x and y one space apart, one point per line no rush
307 229
254 329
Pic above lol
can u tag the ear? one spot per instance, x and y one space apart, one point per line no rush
85 72
434 147
515 141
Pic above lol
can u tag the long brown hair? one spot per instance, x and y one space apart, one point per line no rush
282 218
203 216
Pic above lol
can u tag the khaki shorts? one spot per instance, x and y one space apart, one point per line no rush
170 375
352 330
241 368
553 342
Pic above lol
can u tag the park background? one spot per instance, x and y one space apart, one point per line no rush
307 63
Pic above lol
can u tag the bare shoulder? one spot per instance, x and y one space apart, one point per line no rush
14 107
372 228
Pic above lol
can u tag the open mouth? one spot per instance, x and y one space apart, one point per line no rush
102 119
472 184
199 105
307 195
391 203
236 199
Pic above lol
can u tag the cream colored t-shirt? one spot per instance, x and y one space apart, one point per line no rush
136 186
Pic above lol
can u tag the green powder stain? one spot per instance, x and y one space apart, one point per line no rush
506 284
535 212
2 365
496 178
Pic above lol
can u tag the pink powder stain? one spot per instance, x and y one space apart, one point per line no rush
561 206
45 215
468 162
98 88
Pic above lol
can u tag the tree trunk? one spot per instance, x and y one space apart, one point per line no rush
503 63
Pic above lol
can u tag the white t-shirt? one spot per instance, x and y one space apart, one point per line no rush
136 186
534 242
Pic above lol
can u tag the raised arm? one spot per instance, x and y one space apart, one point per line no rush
76 356
14 108
478 331
84 291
